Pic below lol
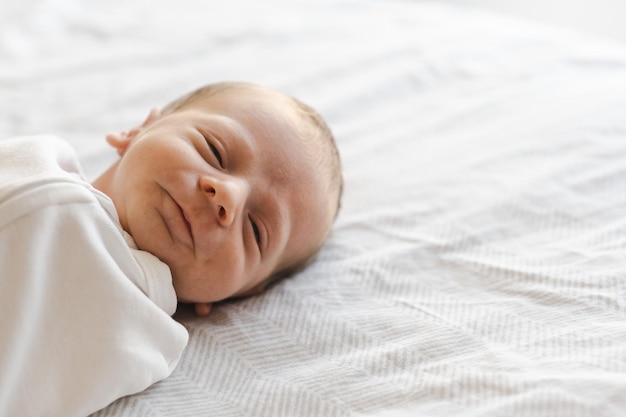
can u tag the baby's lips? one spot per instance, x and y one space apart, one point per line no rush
200 228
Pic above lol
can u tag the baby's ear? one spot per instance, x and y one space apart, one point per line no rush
121 140
155 114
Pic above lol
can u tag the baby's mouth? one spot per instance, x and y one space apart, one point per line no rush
187 223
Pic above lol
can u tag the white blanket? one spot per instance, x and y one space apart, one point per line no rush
478 266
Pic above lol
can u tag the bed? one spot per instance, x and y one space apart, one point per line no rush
478 264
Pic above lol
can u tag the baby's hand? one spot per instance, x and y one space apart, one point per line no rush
202 309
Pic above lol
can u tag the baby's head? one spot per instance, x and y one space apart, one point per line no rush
231 186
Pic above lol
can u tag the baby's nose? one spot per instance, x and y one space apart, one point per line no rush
227 197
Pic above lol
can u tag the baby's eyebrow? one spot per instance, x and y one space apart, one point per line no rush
229 129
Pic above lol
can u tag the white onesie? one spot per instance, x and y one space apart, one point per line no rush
85 317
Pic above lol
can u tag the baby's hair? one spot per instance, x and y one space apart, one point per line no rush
315 133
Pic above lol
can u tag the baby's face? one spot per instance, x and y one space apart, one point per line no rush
222 192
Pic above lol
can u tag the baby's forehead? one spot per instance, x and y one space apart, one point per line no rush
244 95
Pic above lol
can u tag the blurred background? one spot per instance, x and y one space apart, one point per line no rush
597 17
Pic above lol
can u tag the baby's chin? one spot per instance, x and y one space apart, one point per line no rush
190 290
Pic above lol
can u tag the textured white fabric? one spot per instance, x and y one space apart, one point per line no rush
478 265
76 333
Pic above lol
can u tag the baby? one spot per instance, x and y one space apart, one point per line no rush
229 186
216 195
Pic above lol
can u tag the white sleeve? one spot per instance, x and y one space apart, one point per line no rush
76 333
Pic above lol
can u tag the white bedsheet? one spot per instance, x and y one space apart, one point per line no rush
478 266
